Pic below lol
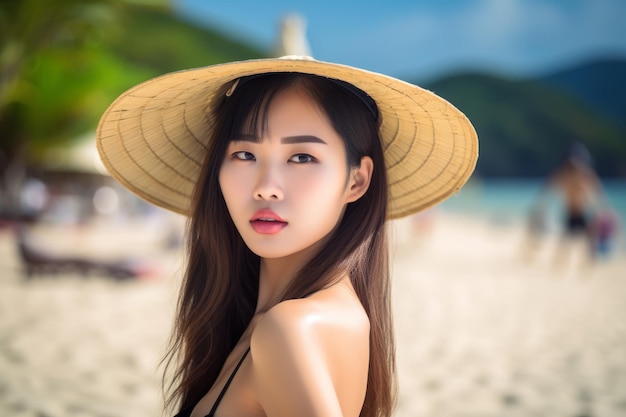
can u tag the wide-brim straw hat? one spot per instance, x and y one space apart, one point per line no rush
153 138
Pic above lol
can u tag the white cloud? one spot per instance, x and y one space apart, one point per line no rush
502 23
511 35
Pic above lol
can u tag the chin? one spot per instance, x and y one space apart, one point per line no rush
268 251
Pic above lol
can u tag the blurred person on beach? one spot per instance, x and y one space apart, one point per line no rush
588 223
288 169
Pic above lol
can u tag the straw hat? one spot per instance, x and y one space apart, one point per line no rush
152 139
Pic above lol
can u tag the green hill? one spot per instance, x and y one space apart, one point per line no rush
157 39
525 127
148 41
600 83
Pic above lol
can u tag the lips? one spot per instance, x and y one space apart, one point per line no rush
267 222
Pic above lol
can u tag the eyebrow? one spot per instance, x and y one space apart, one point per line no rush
288 140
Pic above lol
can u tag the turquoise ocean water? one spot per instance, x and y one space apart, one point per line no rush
510 200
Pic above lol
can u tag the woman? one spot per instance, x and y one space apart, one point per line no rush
288 170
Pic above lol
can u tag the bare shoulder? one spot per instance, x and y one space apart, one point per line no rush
312 352
330 312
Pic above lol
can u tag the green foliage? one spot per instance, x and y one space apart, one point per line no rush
62 97
64 61
29 27
43 87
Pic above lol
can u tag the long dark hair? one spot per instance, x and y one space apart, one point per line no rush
219 292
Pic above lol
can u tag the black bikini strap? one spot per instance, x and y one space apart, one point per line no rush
230 379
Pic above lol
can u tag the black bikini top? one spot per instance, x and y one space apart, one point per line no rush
187 412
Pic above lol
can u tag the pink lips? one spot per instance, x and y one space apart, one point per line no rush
267 222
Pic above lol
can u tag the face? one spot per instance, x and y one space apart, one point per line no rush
287 191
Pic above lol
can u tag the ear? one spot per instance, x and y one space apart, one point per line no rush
360 178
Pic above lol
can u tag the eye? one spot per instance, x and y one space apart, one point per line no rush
243 156
302 158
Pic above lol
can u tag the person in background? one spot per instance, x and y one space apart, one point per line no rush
583 199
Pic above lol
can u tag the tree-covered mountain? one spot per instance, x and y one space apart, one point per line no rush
157 39
598 83
525 127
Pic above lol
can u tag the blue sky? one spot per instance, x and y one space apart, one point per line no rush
421 38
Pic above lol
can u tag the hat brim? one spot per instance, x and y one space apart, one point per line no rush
153 138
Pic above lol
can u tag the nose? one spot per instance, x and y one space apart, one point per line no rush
268 186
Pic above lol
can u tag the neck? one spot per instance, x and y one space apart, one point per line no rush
276 274
274 277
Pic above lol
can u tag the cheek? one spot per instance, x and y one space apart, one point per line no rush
230 185
330 179
323 189
224 185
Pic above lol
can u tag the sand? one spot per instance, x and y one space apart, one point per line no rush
483 328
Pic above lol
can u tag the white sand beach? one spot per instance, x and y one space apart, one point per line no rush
483 330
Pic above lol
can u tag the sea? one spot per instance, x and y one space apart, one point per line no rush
511 200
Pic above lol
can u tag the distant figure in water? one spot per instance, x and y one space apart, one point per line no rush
583 199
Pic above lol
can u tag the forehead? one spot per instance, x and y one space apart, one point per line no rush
297 102
293 109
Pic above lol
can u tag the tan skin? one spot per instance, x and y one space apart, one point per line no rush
310 356
579 186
